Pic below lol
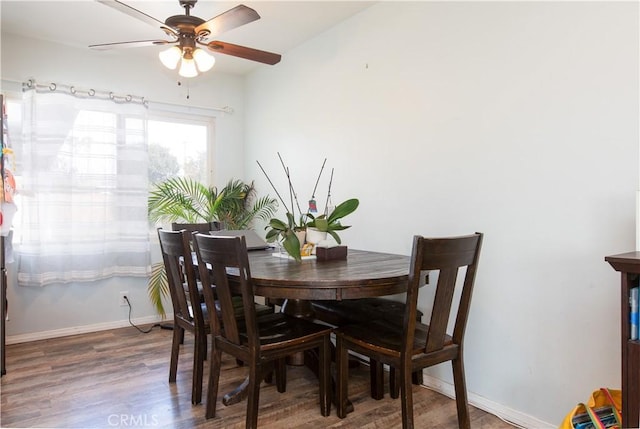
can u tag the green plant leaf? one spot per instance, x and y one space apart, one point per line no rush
338 227
343 209
272 235
292 245
321 224
291 220
158 287
335 236
277 224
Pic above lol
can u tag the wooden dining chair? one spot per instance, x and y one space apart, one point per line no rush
189 312
206 228
365 310
262 343
415 345
185 289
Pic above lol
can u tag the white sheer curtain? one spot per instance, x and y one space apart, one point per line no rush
84 187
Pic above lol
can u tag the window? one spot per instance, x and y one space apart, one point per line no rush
84 168
178 147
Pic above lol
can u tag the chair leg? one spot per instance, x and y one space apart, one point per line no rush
253 396
342 367
460 387
198 363
213 385
394 383
175 350
406 389
281 375
268 378
181 336
376 374
417 378
325 377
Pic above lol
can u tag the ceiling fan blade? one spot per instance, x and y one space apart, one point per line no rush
244 52
122 7
228 20
133 44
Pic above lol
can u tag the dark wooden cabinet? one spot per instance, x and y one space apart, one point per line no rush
628 264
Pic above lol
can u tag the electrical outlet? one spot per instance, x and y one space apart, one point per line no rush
123 302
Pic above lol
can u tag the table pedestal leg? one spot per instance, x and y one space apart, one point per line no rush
298 308
301 309
240 393
237 394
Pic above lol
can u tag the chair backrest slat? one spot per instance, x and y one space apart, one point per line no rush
448 257
219 256
441 308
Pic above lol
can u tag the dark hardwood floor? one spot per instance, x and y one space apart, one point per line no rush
119 378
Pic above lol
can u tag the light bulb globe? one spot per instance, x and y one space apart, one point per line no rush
170 57
188 68
203 60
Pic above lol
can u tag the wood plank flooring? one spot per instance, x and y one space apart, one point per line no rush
119 378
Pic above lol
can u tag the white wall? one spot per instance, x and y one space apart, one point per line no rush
63 309
517 119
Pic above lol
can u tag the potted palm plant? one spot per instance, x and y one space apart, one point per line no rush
181 199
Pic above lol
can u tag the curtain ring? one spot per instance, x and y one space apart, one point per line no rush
72 89
111 97
91 92
128 97
52 87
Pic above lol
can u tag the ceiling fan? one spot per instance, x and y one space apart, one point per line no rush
187 32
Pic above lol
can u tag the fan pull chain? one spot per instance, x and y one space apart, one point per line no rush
188 88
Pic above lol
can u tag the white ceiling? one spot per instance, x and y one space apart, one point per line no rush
283 24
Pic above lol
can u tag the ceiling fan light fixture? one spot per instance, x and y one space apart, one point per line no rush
170 57
203 60
186 31
188 68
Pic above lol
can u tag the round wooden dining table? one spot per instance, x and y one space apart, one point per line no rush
363 274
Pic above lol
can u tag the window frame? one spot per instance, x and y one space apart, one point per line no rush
158 112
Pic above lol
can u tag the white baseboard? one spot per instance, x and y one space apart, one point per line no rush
512 416
75 330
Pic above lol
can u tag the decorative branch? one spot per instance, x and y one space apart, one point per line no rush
314 209
292 192
274 188
326 205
